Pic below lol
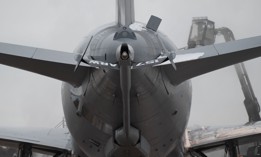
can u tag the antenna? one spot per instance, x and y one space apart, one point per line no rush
61 124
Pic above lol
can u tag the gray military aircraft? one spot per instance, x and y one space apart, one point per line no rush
126 90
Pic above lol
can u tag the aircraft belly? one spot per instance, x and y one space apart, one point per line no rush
159 110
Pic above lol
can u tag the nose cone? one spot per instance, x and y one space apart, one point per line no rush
124 55
125 52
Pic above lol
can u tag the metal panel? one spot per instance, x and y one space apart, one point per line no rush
54 64
125 12
238 45
154 23
210 135
17 50
56 138
55 56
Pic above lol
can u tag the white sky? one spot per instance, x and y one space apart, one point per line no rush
32 100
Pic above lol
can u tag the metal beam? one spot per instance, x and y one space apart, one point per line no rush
125 12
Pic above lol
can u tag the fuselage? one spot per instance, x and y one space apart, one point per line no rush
159 109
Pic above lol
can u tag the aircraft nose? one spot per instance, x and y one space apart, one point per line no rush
125 52
124 55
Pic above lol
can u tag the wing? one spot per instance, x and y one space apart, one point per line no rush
207 138
55 141
197 61
207 135
54 64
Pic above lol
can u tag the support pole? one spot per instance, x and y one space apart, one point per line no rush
203 33
125 80
127 135
125 12
251 103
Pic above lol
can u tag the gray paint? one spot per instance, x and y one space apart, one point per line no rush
125 12
61 25
57 138
210 135
151 104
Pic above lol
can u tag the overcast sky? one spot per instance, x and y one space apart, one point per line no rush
28 99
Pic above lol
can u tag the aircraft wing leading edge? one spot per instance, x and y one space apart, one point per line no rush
189 63
197 61
243 139
56 140
54 64
207 136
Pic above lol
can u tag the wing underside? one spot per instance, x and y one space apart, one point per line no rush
54 64
188 63
241 139
197 61
42 141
